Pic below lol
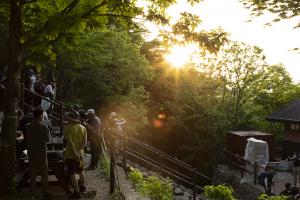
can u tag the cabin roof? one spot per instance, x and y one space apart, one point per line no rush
288 113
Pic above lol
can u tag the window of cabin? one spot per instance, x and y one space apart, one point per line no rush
294 127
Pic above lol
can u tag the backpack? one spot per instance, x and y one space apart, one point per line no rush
261 178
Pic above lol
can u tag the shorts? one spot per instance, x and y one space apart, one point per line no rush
74 166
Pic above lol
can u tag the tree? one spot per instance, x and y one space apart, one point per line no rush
35 25
281 9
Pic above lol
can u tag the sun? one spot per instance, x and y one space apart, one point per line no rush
179 56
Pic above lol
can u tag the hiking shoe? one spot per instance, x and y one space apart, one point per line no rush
75 195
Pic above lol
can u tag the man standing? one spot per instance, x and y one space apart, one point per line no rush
76 136
93 128
37 136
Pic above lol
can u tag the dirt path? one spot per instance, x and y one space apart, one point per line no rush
95 180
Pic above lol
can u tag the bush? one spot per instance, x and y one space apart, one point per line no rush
219 192
105 166
266 197
136 177
154 187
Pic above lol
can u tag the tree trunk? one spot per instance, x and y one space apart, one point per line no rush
11 96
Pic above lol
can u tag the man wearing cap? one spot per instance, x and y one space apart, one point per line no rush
93 129
37 136
76 136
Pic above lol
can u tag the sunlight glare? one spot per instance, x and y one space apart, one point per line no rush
180 55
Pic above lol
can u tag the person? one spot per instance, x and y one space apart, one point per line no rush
93 127
39 88
115 122
296 169
268 180
37 136
287 190
76 137
49 93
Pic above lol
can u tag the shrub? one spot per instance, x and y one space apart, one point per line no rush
136 177
219 192
105 166
154 187
266 197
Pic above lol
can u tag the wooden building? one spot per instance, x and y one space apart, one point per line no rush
237 141
289 115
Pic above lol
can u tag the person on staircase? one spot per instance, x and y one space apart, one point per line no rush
76 136
49 93
93 124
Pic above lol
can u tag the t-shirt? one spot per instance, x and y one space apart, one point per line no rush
96 125
37 135
75 133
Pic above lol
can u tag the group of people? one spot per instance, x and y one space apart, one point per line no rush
292 191
76 134
35 82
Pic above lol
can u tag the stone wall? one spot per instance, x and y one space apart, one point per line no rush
244 191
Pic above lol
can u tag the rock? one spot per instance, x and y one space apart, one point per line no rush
143 169
178 192
188 195
145 174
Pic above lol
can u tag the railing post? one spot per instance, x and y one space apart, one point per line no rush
61 119
159 162
22 96
124 150
194 184
255 172
112 163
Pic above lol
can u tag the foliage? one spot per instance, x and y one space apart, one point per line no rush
136 176
105 165
281 9
154 187
116 196
219 192
266 197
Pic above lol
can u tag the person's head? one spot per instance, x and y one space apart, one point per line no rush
90 113
268 168
112 115
74 115
38 113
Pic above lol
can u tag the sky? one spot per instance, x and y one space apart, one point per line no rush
276 41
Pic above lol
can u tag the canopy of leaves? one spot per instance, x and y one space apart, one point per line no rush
286 9
113 72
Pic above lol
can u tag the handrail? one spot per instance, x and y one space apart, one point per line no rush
166 164
58 117
58 103
175 160
158 164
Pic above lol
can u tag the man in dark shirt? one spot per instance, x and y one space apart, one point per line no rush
37 136
93 130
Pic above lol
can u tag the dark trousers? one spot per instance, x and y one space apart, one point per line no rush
95 151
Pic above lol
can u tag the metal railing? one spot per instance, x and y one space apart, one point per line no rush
109 156
57 113
164 164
